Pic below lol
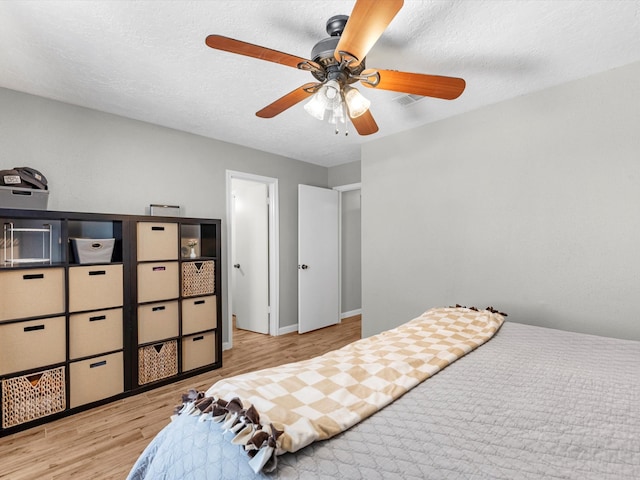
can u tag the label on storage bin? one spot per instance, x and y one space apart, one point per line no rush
12 180
159 269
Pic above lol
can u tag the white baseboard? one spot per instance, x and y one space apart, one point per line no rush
288 329
352 313
294 327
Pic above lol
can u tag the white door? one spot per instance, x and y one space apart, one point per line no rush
250 237
318 258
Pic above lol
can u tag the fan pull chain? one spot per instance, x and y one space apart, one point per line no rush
345 115
343 108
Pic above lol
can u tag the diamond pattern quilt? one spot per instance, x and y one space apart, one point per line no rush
299 403
532 403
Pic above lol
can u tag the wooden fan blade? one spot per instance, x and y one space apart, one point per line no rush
250 50
368 20
436 86
289 100
365 124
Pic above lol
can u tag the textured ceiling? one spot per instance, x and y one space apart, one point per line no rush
147 60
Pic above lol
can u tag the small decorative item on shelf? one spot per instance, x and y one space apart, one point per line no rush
192 248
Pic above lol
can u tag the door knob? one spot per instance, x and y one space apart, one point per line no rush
237 265
303 266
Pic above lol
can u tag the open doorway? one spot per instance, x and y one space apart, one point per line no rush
252 253
350 250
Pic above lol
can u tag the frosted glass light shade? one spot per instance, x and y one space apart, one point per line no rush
317 106
332 89
356 103
336 115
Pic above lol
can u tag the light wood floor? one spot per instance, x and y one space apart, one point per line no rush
103 443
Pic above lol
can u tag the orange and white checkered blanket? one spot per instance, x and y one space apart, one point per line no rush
285 408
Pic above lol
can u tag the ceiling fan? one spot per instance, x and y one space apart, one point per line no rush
339 61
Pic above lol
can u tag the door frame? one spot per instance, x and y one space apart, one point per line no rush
274 249
345 188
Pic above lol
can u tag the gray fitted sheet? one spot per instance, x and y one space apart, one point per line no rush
531 403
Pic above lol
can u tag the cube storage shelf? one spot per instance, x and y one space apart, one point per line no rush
102 330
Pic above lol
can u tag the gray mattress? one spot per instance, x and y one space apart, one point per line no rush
530 403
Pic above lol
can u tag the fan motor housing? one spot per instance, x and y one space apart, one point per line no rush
323 52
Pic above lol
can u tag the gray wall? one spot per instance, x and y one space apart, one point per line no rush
531 206
351 243
344 174
96 162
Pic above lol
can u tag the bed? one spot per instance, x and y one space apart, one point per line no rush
531 402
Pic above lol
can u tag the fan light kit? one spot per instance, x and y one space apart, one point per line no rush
339 61
332 101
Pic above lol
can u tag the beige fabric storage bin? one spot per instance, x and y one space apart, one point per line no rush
32 344
95 287
158 281
158 361
198 350
158 321
157 241
34 396
199 314
198 278
20 287
94 333
96 378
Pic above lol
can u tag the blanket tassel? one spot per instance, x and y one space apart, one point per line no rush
260 445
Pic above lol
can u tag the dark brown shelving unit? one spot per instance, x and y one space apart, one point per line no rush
74 335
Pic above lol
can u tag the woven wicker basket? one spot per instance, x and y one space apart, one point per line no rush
33 396
198 278
157 361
